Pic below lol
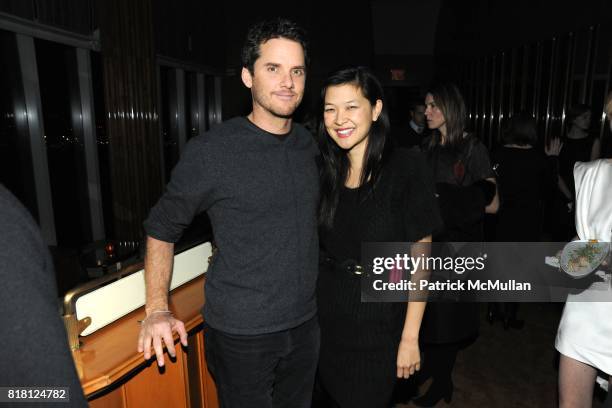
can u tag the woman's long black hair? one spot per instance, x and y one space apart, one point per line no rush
335 163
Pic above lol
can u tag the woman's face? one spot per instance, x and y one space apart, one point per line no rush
348 116
583 121
435 117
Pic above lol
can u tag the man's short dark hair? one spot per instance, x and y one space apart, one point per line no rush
267 30
415 104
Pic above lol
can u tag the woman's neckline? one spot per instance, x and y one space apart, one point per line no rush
357 188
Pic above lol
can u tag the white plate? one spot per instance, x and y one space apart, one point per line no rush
570 261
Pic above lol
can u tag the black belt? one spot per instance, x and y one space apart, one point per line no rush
349 265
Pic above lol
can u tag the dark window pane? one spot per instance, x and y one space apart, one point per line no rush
15 159
191 104
60 101
102 143
210 100
169 119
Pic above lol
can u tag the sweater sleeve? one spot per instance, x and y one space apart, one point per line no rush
34 350
188 193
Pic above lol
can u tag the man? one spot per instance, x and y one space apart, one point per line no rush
257 179
417 123
35 351
412 135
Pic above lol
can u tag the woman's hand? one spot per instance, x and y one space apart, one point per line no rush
408 358
553 147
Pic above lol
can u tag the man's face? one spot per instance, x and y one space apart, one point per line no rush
418 115
278 78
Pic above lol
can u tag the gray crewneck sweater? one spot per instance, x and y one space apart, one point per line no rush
261 193
35 352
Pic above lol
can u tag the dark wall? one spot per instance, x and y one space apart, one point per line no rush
190 30
481 27
71 15
404 39
404 27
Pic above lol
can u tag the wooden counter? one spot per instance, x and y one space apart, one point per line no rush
114 374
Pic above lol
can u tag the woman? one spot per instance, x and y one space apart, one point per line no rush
368 194
584 338
466 190
526 177
579 146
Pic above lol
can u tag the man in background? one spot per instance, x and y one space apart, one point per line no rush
412 134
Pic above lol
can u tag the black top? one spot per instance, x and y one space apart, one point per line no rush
462 207
461 203
359 340
525 176
261 194
34 350
463 165
402 208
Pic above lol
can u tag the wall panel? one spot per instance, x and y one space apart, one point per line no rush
544 78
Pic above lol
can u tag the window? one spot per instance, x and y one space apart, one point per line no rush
63 137
169 119
192 108
102 142
15 158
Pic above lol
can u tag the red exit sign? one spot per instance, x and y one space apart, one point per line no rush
398 74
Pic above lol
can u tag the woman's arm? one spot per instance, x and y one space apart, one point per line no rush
493 206
479 166
408 354
596 150
564 189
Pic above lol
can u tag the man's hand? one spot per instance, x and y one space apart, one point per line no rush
159 323
158 327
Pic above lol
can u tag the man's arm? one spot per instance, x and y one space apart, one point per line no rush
159 260
159 322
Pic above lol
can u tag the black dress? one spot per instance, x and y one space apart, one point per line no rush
525 178
359 341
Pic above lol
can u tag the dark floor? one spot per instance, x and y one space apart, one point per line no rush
513 368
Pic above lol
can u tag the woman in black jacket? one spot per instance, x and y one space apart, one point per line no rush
368 194
465 186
